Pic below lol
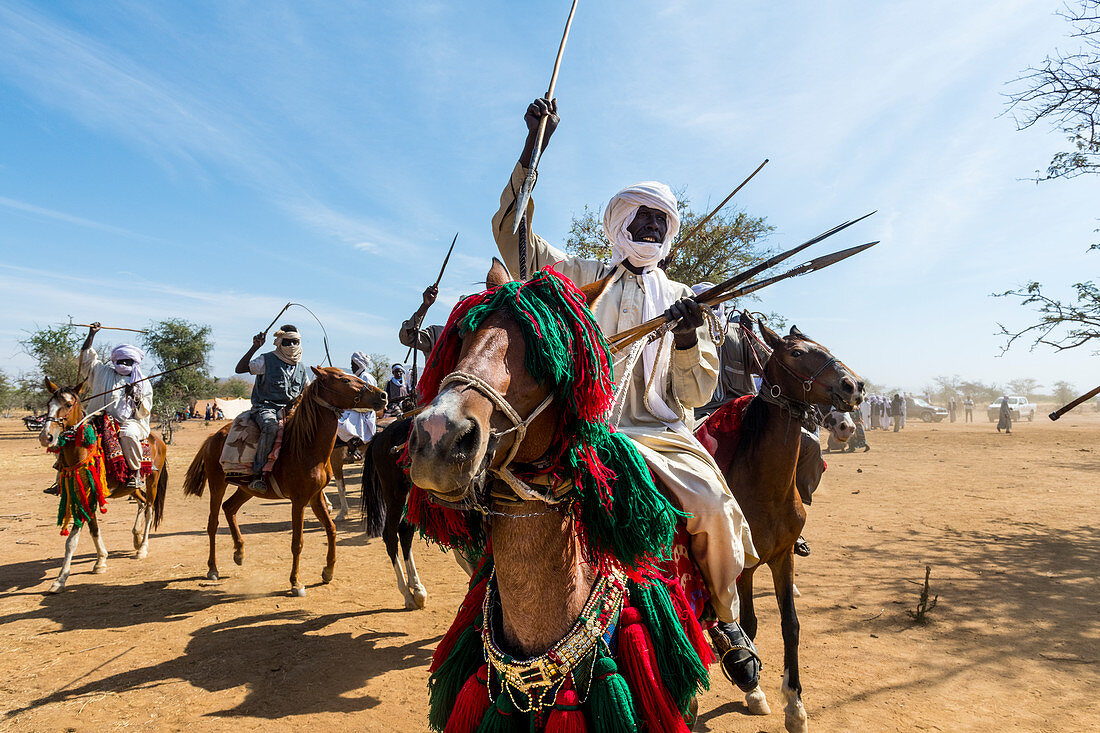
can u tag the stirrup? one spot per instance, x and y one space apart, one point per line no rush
753 665
802 547
257 484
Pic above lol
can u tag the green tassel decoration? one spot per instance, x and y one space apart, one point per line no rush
682 672
503 717
610 705
448 680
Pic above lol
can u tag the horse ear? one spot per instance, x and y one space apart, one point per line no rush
50 386
771 338
798 334
498 274
80 387
594 291
316 372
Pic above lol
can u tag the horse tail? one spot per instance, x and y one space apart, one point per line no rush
372 504
162 489
195 480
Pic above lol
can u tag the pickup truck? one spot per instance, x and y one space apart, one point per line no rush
1019 406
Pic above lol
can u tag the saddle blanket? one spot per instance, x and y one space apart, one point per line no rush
721 431
114 460
240 446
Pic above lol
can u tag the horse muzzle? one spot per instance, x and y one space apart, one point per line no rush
446 451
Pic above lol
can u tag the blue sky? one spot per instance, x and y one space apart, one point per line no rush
213 160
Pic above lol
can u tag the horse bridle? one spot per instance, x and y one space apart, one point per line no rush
338 411
519 427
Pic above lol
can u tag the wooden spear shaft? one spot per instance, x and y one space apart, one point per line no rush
107 328
1083 398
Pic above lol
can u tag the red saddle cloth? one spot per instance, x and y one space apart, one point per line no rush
115 462
721 432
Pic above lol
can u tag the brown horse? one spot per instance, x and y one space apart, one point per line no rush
800 374
300 472
65 411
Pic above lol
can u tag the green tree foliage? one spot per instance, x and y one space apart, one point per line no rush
380 367
981 392
56 354
1062 324
1064 91
173 343
1025 386
11 396
1064 392
235 388
728 243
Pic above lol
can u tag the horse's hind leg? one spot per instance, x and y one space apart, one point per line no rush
338 476
322 515
100 547
793 709
755 700
143 548
389 537
217 491
137 522
297 512
416 589
70 549
231 506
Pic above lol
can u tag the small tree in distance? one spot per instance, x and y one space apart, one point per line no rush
184 346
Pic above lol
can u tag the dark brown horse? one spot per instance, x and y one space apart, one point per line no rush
799 374
299 473
64 412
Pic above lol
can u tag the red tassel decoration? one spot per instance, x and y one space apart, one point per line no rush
471 606
471 705
690 623
566 717
639 665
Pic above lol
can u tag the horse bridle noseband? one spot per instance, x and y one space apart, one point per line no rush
519 426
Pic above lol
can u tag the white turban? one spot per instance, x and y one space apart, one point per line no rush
620 212
129 351
291 354
360 363
617 217
720 309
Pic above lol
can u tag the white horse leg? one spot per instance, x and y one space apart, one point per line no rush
101 553
70 548
794 713
757 702
463 563
137 525
419 592
343 500
143 549
401 585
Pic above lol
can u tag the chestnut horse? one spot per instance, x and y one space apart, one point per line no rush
300 472
65 410
799 375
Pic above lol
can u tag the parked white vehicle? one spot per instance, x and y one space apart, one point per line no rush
1019 406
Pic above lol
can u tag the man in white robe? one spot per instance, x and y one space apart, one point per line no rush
355 427
641 221
130 404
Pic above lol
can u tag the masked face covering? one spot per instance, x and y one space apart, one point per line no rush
291 353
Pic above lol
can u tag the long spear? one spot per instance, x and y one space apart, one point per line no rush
104 328
621 340
143 379
416 326
1083 398
695 229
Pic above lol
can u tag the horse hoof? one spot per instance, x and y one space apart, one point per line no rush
340 517
756 702
99 569
326 575
794 719
57 587
298 592
420 597
213 575
796 722
238 557
142 553
797 592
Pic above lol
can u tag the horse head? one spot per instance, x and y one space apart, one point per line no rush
346 391
802 370
489 411
63 410
840 424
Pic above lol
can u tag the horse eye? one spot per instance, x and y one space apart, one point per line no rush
796 353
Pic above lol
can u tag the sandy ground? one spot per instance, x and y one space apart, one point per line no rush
1007 524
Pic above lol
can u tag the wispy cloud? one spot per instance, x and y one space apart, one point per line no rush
41 211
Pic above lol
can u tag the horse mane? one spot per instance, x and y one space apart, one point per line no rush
301 423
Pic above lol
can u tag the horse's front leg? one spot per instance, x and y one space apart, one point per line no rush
70 549
783 579
321 512
391 540
416 589
136 530
143 548
231 506
755 700
100 548
297 517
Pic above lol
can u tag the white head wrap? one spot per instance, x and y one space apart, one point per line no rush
289 354
360 363
720 309
617 216
129 351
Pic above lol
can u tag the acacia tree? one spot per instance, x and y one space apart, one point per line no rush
1063 392
176 343
728 243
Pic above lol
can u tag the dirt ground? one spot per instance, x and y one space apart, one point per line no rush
1007 524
